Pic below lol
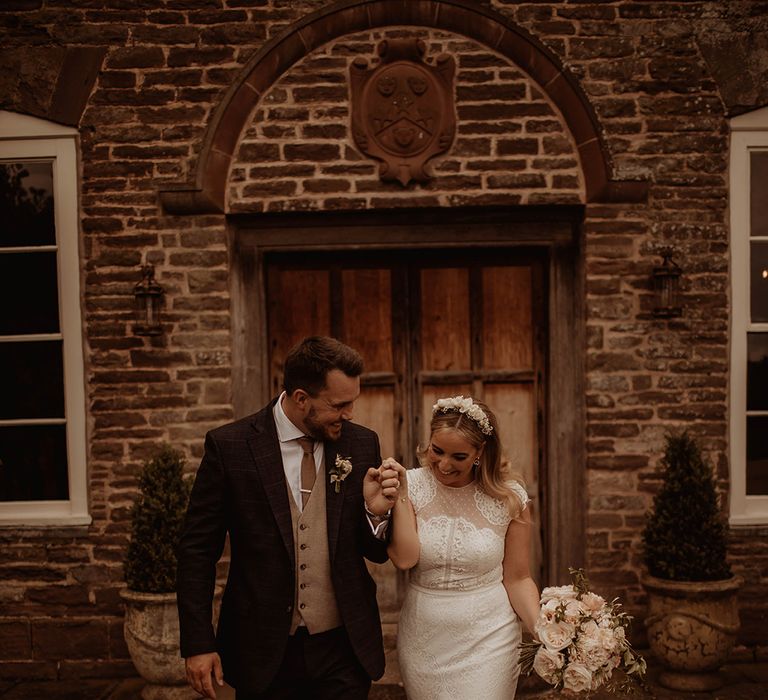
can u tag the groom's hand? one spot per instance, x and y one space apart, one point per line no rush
380 487
201 669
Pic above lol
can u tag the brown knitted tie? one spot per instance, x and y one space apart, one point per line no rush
308 469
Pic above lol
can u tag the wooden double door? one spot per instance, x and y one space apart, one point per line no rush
428 323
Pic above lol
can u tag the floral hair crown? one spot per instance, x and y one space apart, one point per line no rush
466 406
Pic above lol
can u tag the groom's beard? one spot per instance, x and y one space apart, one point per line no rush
320 431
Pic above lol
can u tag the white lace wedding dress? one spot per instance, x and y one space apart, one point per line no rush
458 637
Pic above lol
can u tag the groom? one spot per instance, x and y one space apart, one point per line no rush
298 489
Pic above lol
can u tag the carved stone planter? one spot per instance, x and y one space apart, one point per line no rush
692 628
151 632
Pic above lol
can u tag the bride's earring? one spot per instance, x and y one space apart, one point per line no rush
476 463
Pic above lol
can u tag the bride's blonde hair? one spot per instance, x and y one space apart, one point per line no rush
493 476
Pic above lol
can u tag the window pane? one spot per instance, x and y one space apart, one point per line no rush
29 293
757 371
26 204
758 193
33 463
31 376
758 301
757 456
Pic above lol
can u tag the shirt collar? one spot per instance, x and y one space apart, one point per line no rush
286 430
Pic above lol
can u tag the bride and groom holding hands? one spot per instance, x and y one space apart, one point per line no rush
305 498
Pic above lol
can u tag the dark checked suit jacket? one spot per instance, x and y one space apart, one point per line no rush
240 489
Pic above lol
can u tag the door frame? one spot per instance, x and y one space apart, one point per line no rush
556 229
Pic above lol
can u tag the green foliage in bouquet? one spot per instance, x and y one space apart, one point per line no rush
685 537
157 519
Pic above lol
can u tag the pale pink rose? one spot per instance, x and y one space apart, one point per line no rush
605 622
573 610
592 603
590 629
550 607
559 593
548 612
591 652
577 677
610 640
556 635
548 664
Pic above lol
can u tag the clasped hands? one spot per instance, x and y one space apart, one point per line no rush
383 485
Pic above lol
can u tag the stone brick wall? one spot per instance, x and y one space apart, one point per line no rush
650 76
511 146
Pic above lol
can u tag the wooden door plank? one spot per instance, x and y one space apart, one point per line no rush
508 328
445 324
367 319
298 306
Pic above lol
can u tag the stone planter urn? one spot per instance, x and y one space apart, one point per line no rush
151 630
692 628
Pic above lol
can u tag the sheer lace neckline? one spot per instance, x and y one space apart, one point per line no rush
451 488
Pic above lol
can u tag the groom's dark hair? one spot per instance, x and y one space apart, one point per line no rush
308 363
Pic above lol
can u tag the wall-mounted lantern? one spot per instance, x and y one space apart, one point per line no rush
666 287
149 297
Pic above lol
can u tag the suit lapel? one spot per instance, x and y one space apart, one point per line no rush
265 450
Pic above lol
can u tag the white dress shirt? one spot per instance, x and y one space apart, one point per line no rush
288 435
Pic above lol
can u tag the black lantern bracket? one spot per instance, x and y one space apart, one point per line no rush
149 297
666 286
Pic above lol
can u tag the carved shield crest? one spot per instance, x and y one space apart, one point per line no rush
403 108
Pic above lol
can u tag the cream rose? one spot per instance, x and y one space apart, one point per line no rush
592 602
593 653
548 664
548 612
555 635
577 677
558 593
573 610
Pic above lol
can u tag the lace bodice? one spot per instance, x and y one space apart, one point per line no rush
461 532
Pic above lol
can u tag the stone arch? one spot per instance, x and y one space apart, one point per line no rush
207 192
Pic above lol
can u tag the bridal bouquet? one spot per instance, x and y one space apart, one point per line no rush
581 641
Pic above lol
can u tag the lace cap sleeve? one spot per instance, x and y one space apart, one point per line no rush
521 493
421 487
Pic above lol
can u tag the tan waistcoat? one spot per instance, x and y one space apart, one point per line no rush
314 599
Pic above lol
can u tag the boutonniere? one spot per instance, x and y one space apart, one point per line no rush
340 471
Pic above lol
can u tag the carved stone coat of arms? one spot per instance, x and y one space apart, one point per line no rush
403 108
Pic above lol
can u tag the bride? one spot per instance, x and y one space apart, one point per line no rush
463 530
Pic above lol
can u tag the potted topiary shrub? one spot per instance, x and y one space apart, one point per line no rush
693 615
151 625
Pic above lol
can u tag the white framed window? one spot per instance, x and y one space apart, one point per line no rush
42 394
749 329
